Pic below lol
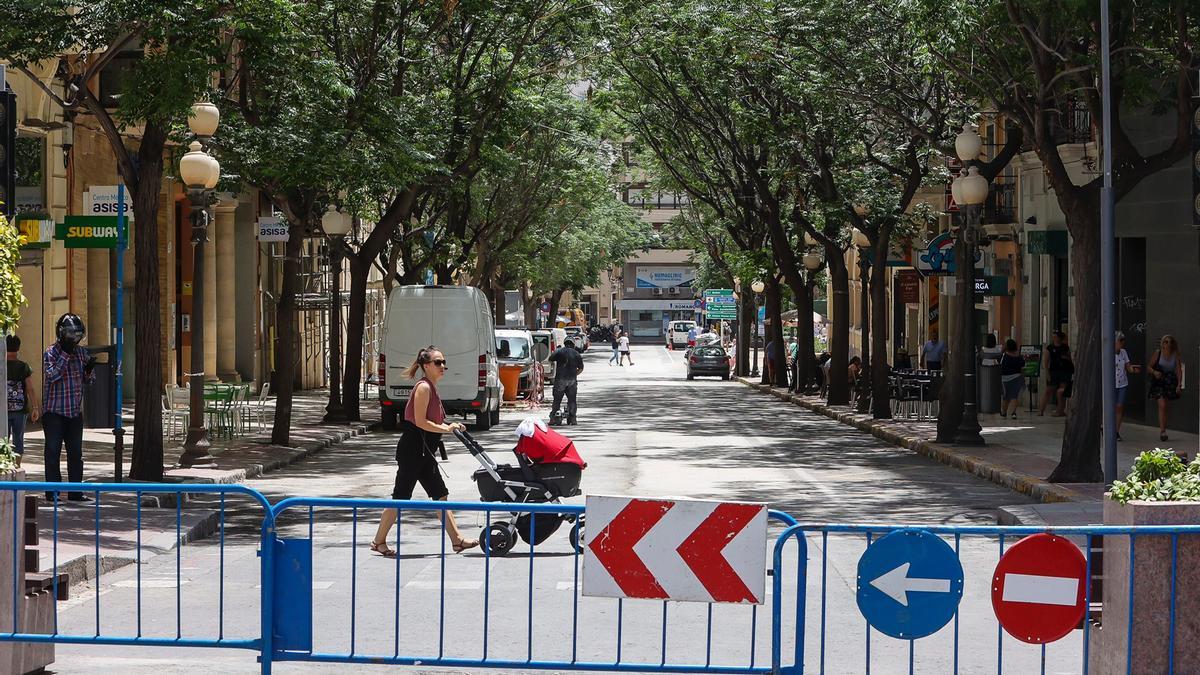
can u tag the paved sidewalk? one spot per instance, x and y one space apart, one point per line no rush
163 527
1019 454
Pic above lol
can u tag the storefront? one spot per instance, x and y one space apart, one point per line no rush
647 320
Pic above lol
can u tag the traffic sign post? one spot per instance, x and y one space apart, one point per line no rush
1039 588
720 304
685 550
909 584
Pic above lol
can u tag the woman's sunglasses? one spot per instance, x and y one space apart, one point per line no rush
441 363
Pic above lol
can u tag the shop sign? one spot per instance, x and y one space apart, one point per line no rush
937 258
1046 242
909 284
101 200
991 285
665 277
35 233
272 228
88 232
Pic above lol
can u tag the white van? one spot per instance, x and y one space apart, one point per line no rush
456 319
677 334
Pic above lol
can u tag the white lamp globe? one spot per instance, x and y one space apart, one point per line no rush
860 239
334 222
203 119
956 190
967 144
194 168
757 286
214 176
974 187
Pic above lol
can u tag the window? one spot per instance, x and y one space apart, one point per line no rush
30 176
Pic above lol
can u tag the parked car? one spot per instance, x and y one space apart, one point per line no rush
546 342
458 319
708 360
515 347
579 336
677 334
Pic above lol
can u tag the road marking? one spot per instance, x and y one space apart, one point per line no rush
150 583
1041 589
451 585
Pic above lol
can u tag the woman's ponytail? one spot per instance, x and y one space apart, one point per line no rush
424 357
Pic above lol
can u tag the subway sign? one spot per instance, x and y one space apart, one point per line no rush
88 232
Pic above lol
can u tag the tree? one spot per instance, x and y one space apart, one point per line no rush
1033 61
181 49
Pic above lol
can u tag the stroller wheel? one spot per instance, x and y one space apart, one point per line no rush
577 540
498 538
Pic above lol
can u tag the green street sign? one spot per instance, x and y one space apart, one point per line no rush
88 232
720 304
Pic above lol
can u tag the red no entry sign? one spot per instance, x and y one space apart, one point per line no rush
1038 589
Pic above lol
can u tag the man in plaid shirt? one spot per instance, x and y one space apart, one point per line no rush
65 367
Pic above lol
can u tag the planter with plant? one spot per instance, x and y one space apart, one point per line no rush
1160 490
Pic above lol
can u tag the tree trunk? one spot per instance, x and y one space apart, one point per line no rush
881 408
802 368
555 301
355 330
950 403
1080 459
863 386
746 317
146 462
527 300
778 377
285 352
498 303
839 338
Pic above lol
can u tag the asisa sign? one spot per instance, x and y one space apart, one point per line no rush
937 258
101 200
88 232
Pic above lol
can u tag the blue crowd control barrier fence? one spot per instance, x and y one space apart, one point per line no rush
92 525
325 597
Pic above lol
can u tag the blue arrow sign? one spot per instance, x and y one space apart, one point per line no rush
909 584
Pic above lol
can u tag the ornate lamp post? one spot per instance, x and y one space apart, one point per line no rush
200 173
971 193
757 287
336 225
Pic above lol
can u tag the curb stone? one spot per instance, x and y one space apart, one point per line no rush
1027 484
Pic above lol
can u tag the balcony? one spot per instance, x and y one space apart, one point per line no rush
644 198
1001 206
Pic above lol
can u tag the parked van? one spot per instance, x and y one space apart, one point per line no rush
456 319
677 334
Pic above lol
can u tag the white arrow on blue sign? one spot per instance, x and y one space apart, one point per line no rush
909 584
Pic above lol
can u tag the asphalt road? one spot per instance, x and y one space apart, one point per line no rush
644 431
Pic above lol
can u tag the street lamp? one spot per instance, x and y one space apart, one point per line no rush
200 173
970 192
336 225
864 315
757 287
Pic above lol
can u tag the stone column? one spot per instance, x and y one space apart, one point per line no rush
212 284
222 321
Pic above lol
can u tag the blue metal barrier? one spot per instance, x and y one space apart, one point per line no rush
499 640
98 492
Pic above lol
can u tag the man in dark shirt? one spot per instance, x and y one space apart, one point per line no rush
568 364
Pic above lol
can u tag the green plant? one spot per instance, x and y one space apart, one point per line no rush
1159 476
11 297
8 458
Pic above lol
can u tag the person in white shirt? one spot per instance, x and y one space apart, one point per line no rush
1124 368
623 348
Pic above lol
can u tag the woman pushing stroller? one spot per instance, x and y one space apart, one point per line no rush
424 424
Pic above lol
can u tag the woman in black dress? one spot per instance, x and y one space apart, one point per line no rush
424 424
1166 379
1060 369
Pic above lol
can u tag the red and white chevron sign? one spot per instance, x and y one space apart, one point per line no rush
675 550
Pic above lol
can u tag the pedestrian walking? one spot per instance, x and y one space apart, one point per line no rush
1124 368
65 367
23 402
420 438
1060 369
614 339
933 352
623 347
691 336
1166 379
568 364
854 370
1012 378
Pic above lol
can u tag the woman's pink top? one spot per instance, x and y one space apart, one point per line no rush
434 412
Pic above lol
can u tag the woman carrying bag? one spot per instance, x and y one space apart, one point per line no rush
420 438
1166 379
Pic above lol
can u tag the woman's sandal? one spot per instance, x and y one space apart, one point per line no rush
464 544
382 549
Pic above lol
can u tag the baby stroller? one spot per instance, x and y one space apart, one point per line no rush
548 469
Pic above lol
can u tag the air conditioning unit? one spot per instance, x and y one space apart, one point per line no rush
674 291
658 291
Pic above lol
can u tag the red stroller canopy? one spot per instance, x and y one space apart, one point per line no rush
548 447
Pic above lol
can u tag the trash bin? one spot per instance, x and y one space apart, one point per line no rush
99 407
989 385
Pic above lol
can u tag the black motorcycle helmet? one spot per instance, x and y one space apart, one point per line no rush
70 329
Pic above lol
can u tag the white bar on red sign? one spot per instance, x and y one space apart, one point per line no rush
1040 589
